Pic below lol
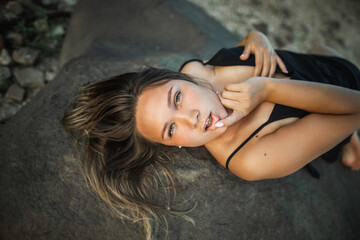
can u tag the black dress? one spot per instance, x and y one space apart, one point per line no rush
316 68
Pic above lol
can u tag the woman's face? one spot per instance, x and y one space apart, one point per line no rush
179 113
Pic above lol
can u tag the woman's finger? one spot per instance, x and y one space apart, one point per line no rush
228 121
281 64
234 87
231 95
258 65
272 65
246 53
266 64
229 103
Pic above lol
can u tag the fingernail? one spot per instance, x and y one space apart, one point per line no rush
242 55
286 71
219 124
217 92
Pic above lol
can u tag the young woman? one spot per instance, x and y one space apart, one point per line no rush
257 127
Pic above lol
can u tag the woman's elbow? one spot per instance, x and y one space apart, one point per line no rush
248 172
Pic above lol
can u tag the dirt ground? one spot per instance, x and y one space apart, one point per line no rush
300 24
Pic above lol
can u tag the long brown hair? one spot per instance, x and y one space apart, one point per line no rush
125 169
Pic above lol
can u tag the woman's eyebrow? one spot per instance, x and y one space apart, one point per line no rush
169 106
169 97
163 131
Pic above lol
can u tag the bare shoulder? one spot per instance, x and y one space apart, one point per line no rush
194 68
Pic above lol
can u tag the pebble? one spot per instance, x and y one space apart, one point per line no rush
41 25
49 76
29 77
58 30
5 73
15 93
67 5
50 64
8 109
25 56
16 39
5 58
14 7
9 15
49 2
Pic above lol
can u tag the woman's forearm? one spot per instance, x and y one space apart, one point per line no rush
313 97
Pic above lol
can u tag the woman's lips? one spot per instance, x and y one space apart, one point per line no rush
215 119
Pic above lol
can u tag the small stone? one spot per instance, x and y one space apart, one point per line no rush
52 43
41 25
49 2
5 58
29 77
15 93
5 73
9 15
58 30
14 7
70 2
48 64
25 56
67 5
49 76
8 109
16 39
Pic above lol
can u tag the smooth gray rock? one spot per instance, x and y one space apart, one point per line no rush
5 58
45 197
5 73
15 93
41 25
49 76
25 56
14 7
29 77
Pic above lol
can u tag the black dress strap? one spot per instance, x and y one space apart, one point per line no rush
248 139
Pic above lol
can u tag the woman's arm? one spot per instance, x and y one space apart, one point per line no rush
337 115
309 96
255 43
313 97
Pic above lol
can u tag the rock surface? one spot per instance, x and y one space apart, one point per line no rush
5 73
45 197
15 93
29 77
5 58
25 56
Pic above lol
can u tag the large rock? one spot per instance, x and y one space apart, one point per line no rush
45 197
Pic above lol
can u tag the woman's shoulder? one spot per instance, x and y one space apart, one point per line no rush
198 70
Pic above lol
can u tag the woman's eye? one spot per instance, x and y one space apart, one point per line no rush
177 99
171 129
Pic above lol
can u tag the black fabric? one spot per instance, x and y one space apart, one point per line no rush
315 68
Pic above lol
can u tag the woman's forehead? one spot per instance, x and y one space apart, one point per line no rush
152 110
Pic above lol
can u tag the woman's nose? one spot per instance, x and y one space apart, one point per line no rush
189 118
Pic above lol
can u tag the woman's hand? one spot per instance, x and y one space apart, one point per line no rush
265 56
242 98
